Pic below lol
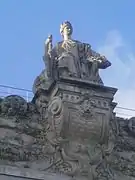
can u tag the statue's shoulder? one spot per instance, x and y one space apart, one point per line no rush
82 46
58 46
87 45
59 43
83 43
77 42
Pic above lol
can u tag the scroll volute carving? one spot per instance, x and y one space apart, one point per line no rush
55 121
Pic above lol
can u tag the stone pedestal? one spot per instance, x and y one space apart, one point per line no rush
13 173
78 118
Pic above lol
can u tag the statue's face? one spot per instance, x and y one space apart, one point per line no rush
67 30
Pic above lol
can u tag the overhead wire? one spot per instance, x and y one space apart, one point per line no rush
29 91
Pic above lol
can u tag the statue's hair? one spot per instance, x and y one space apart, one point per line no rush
64 24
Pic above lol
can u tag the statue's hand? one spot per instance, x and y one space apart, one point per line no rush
48 45
103 58
91 59
48 40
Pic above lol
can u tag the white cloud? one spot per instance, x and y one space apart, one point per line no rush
121 74
125 98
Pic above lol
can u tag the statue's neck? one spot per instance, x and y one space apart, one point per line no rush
66 37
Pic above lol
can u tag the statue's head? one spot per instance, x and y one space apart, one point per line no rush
66 28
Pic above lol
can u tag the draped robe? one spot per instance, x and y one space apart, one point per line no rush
73 58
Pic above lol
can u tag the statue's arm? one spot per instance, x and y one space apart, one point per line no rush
47 58
102 62
46 55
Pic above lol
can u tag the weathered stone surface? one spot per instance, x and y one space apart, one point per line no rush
69 130
13 104
20 128
123 157
13 173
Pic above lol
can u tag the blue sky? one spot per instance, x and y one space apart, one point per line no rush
107 25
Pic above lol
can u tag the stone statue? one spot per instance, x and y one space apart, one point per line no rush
71 58
68 130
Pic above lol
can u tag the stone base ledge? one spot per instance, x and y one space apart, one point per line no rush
9 173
